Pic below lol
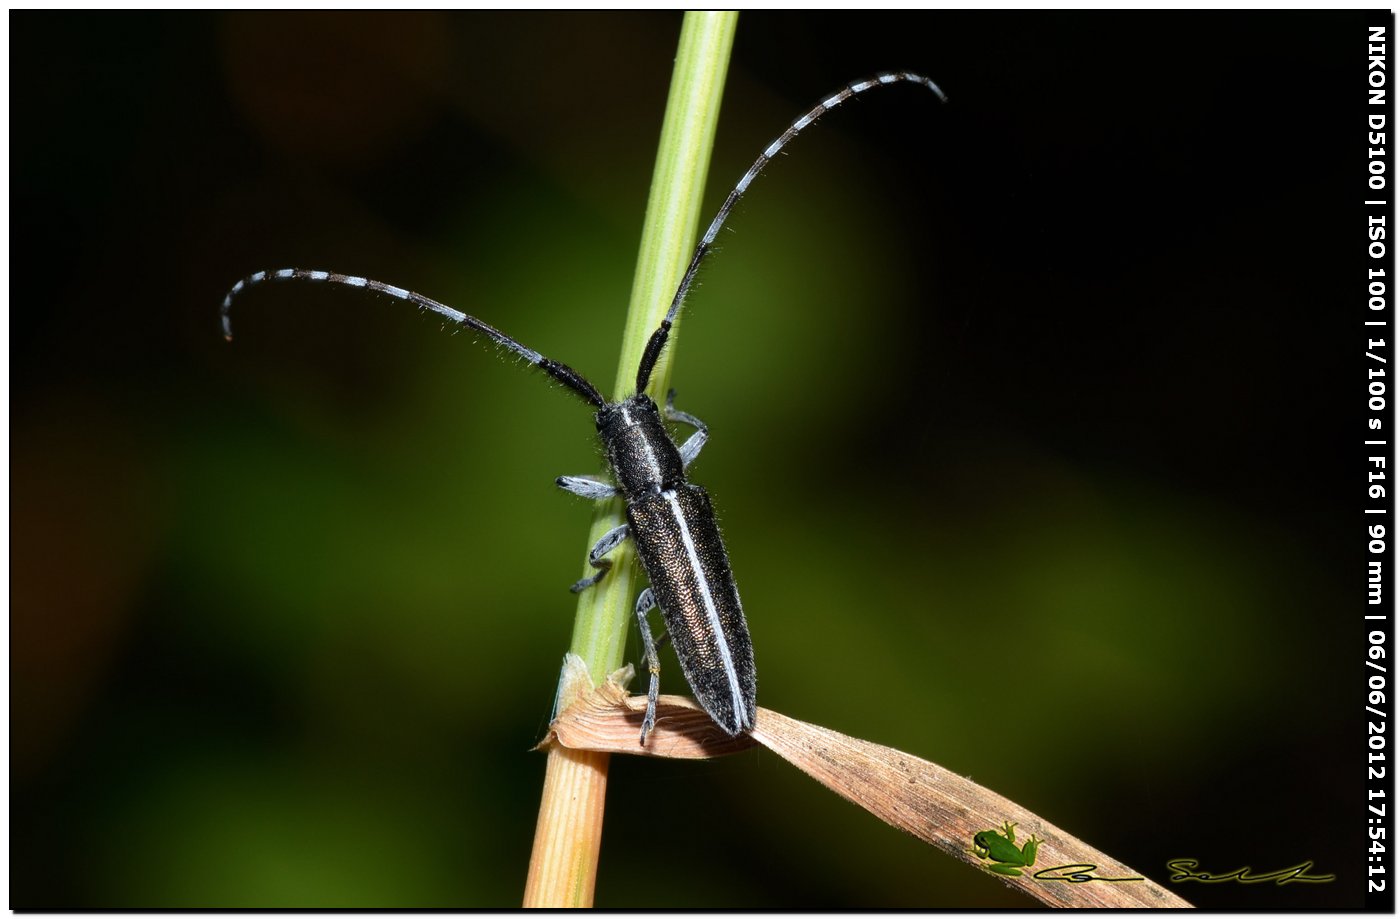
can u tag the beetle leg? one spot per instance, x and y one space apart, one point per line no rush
645 604
586 487
695 442
602 547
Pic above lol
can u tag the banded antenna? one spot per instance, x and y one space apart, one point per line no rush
561 372
658 338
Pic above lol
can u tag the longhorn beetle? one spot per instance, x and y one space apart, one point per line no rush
670 519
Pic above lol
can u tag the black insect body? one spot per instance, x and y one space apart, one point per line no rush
679 545
670 519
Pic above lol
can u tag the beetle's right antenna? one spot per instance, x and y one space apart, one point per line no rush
561 372
658 338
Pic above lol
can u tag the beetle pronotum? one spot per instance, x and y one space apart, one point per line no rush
670 519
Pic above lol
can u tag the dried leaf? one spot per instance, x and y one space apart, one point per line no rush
940 807
610 720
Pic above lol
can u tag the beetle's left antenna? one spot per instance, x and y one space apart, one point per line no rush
658 338
561 372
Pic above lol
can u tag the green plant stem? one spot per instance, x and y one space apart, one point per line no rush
564 861
668 236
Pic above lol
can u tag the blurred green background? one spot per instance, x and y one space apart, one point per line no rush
1029 417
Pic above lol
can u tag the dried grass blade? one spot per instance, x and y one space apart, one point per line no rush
940 807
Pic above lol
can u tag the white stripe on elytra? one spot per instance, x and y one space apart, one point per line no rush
710 610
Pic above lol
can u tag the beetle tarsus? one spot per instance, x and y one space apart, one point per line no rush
645 604
603 546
